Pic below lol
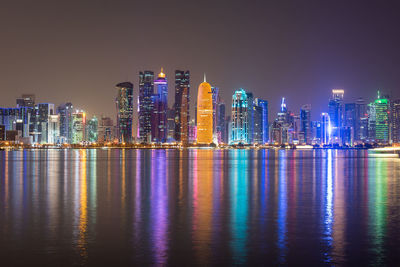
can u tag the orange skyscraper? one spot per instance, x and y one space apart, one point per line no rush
204 114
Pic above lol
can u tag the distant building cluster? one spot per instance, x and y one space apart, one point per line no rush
343 125
146 118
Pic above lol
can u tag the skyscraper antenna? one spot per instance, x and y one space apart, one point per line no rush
205 80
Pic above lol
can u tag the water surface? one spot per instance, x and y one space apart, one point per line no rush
198 207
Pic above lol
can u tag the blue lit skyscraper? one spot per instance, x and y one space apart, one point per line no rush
65 111
305 123
336 114
325 128
263 104
124 104
146 105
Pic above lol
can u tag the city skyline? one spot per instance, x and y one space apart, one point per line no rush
274 50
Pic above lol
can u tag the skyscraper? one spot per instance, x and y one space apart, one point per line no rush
263 104
65 111
216 99
305 123
371 110
325 128
336 114
348 131
240 118
382 119
124 104
395 117
159 123
146 105
182 91
221 124
78 126
92 130
43 113
204 113
361 121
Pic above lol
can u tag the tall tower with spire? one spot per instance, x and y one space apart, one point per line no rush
204 113
159 122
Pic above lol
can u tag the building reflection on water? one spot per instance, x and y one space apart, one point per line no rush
172 207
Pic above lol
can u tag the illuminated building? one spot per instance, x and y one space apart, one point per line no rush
170 125
395 118
204 114
263 104
182 93
146 105
159 130
240 118
305 123
361 121
26 100
43 113
105 130
250 113
54 129
78 126
382 119
65 111
325 128
258 124
92 130
2 133
192 131
124 104
335 107
221 133
371 111
348 131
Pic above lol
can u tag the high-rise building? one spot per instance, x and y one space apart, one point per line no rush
240 118
78 126
105 130
361 121
395 118
2 133
43 113
159 123
382 119
65 111
146 105
263 104
325 129
204 114
182 93
216 99
92 130
305 123
170 125
26 100
54 129
349 129
221 124
336 114
124 104
371 111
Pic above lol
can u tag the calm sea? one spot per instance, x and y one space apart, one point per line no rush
200 207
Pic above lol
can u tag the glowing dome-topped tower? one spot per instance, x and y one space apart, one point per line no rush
204 113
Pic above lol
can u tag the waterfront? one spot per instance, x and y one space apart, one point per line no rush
198 207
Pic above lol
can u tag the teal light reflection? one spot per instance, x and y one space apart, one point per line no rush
239 206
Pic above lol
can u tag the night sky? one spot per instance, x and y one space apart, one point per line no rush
78 50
